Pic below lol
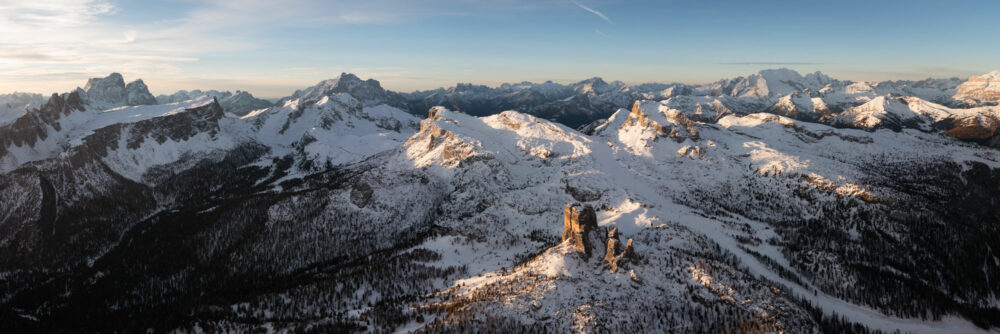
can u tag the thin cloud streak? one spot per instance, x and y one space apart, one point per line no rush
87 36
771 63
604 17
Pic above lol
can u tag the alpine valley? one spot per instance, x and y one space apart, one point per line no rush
774 202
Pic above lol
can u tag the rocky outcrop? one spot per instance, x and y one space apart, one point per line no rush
137 94
663 122
579 223
453 149
614 256
33 126
581 231
112 90
983 129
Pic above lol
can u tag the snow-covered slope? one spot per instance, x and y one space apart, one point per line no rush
70 130
332 129
14 105
240 103
369 92
334 213
814 97
978 90
328 129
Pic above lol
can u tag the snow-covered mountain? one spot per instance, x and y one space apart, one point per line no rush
774 203
112 90
978 90
369 92
14 105
574 105
240 103
814 97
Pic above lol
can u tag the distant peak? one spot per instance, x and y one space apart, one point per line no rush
994 75
114 79
370 91
781 74
114 75
348 76
594 80
112 90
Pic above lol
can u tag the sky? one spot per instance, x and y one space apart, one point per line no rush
272 48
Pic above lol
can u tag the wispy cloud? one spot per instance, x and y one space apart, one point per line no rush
771 63
82 38
596 12
599 32
53 13
908 72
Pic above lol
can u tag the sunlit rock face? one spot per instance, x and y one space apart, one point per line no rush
614 255
978 90
579 222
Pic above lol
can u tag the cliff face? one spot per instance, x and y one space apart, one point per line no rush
579 222
113 91
580 228
616 257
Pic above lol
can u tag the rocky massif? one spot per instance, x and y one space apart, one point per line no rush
581 232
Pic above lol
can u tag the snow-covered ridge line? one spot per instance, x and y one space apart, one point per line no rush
864 205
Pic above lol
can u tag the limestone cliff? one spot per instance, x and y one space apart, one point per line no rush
579 222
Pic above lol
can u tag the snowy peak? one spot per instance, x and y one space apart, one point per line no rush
335 129
468 88
782 81
992 76
137 93
437 141
699 108
979 90
451 138
592 86
111 91
14 105
880 112
369 92
240 104
818 78
774 83
650 120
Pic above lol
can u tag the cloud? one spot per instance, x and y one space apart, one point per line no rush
604 17
771 63
53 13
95 37
599 32
908 73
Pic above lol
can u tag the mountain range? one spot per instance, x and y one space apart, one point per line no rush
774 202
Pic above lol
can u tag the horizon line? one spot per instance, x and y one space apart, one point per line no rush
495 84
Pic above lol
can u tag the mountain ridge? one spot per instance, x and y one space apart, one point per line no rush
811 211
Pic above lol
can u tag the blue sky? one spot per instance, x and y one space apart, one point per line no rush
272 48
